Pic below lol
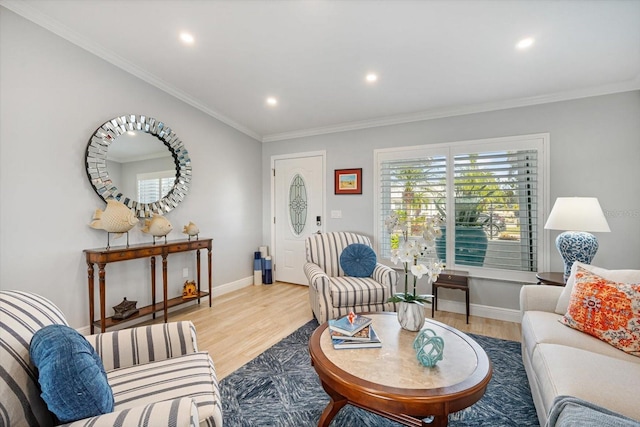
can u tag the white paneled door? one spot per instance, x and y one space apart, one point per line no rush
299 207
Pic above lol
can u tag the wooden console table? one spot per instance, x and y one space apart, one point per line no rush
104 256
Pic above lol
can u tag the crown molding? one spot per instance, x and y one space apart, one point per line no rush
66 33
57 28
438 113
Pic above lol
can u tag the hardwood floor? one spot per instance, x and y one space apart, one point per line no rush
243 324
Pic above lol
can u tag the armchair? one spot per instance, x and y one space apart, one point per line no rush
331 292
157 375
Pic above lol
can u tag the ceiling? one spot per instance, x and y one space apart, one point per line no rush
433 58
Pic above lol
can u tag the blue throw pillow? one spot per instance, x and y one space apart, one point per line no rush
358 260
71 375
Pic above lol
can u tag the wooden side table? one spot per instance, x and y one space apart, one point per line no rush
551 278
451 279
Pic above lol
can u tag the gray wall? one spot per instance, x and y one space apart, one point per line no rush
53 97
595 151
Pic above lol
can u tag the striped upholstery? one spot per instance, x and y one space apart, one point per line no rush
156 372
21 315
135 346
333 294
191 375
178 412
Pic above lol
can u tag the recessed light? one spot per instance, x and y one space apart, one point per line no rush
186 38
526 43
371 77
272 101
130 132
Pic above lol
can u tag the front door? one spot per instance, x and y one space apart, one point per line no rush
299 208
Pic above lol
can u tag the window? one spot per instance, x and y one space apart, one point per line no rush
494 188
153 186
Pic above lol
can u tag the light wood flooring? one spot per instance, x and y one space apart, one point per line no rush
244 323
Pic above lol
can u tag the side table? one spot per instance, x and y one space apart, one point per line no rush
451 279
551 278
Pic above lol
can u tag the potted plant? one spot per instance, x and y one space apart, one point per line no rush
410 251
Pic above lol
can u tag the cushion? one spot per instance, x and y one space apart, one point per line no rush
605 309
570 411
358 260
71 376
622 276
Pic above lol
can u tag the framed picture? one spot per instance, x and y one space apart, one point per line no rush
348 181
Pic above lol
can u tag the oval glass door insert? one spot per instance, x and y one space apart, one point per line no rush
297 204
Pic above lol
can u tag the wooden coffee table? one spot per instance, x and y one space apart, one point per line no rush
390 381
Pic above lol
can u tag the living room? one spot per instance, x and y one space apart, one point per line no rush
56 91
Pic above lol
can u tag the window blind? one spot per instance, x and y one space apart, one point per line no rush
154 186
497 193
494 192
413 189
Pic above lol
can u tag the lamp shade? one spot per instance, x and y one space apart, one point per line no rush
577 214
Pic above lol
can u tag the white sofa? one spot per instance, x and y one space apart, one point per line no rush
561 361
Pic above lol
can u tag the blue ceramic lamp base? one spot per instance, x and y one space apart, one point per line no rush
576 246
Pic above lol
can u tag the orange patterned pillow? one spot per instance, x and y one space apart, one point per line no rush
607 310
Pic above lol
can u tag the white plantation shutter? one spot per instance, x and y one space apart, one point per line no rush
412 188
495 185
154 185
504 186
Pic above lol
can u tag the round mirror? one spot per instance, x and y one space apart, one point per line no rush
140 162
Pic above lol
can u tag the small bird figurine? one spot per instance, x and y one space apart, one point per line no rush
157 226
191 230
115 218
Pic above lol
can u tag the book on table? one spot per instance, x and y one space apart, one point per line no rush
346 342
346 327
362 335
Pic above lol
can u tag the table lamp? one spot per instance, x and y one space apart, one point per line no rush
578 216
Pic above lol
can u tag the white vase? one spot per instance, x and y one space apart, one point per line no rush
411 315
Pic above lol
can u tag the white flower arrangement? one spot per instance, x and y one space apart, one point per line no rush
411 250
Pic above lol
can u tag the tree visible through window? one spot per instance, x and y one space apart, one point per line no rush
492 189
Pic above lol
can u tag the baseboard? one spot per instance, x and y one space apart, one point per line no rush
216 292
232 286
505 314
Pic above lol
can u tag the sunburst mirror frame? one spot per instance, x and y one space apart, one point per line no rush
96 163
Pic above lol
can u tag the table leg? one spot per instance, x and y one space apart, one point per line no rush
335 404
434 305
209 269
436 421
91 283
198 272
153 285
164 287
103 309
467 302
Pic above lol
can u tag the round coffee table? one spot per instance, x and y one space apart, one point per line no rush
390 381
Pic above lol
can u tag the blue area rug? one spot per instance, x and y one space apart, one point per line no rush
280 388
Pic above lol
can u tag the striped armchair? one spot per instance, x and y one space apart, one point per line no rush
332 293
157 375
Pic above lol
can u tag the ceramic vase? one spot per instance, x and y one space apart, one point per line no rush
411 315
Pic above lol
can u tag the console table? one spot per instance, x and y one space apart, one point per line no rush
104 256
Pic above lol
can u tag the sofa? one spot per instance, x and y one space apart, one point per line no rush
156 374
562 361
